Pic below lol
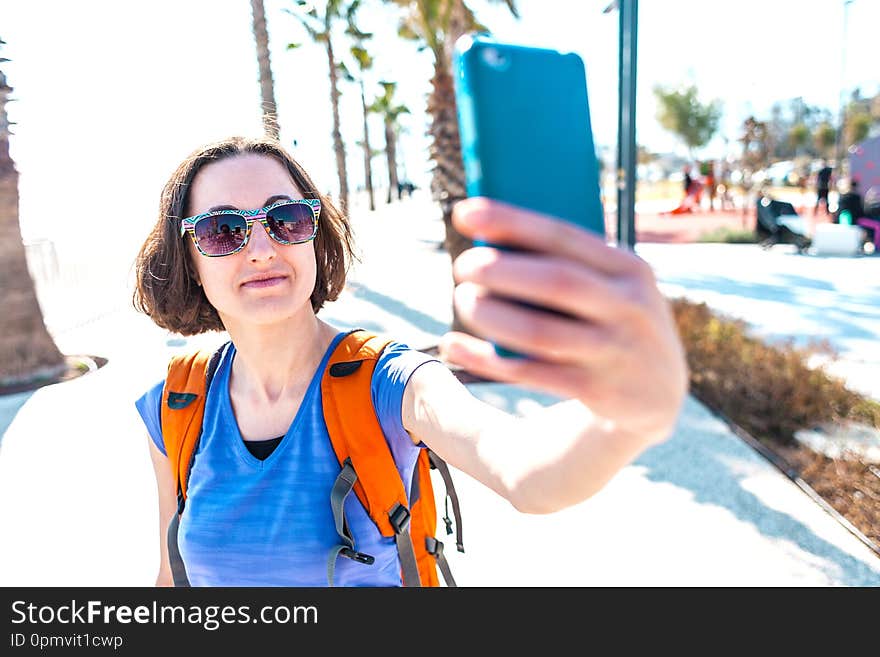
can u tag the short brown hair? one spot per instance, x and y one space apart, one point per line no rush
165 280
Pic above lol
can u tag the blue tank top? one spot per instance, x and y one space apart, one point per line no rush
252 522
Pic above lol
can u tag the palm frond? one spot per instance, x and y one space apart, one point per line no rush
511 5
362 57
309 21
344 72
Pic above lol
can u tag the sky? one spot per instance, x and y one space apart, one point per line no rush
110 95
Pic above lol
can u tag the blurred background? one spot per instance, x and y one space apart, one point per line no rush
106 98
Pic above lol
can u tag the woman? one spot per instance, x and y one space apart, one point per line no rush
257 512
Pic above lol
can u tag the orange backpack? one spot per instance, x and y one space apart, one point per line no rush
366 462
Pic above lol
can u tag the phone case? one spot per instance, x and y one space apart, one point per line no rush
526 135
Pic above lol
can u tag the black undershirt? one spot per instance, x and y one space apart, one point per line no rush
261 449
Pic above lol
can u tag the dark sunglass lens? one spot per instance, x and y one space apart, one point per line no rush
220 234
292 223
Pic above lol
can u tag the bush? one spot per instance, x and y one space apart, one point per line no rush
767 389
729 235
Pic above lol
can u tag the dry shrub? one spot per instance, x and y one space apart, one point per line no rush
767 389
850 486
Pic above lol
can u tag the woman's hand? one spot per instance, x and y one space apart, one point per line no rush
619 353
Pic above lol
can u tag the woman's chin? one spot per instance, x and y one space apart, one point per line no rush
266 311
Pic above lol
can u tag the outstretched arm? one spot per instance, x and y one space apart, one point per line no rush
617 360
541 463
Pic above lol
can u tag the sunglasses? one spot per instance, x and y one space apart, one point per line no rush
224 232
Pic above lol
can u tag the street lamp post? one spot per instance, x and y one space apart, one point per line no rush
626 121
842 109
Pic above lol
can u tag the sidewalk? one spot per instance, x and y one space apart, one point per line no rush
78 499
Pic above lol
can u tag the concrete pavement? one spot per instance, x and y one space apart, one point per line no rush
783 294
78 498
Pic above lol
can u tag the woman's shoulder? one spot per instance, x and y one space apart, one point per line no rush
396 364
399 351
392 346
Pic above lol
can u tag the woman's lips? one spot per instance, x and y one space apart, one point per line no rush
264 282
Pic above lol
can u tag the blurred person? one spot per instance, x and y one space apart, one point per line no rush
823 188
710 183
725 188
850 206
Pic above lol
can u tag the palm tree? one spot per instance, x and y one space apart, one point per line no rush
27 351
390 112
364 62
318 26
437 24
267 89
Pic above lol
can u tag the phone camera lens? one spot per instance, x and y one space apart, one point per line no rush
495 59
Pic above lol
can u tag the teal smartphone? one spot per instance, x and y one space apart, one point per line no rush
526 134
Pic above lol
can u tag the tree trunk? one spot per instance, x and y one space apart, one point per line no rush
448 184
261 36
391 157
338 146
27 351
368 154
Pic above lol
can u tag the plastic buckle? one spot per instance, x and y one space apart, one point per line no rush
433 546
360 557
399 517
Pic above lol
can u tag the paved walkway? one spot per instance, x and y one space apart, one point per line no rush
77 493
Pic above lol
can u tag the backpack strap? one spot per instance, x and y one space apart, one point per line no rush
354 433
451 496
433 547
183 407
424 525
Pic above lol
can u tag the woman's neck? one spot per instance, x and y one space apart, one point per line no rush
275 361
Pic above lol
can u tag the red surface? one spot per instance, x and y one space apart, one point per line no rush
687 227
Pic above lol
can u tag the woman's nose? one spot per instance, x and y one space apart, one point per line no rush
260 246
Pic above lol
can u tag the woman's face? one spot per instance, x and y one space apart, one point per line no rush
248 182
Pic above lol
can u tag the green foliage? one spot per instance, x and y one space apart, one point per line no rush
344 73
798 136
681 112
385 104
729 236
857 127
317 24
362 57
430 22
825 138
767 389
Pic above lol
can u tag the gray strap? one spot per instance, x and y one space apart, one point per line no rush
407 559
399 517
341 488
435 547
178 570
331 562
441 467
